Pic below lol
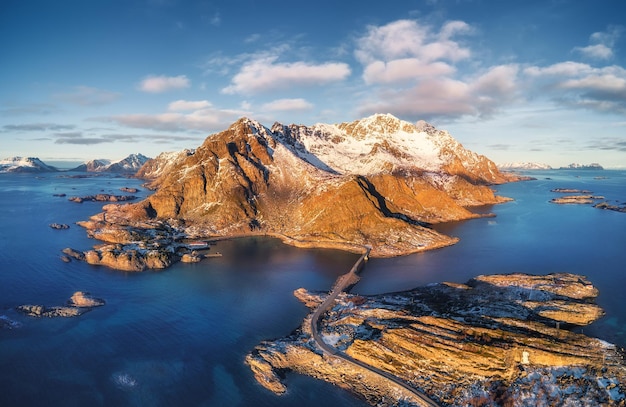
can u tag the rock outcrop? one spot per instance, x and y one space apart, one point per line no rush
78 304
496 340
378 181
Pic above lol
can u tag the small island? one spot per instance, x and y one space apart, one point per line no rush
79 303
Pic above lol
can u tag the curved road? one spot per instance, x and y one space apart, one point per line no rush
342 282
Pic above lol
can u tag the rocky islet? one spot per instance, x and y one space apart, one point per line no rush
79 303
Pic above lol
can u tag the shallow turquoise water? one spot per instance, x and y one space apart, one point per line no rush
179 337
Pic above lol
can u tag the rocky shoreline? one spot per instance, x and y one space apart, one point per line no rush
496 340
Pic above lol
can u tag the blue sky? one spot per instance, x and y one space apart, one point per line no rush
537 81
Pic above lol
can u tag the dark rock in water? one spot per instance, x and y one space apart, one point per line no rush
50 312
78 304
59 195
576 199
73 253
129 190
607 206
66 259
59 226
571 191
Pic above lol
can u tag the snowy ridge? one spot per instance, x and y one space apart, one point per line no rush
132 163
377 144
163 163
24 164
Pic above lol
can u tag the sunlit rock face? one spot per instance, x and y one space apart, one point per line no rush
496 340
378 181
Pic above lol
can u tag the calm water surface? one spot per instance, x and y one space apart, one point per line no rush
179 337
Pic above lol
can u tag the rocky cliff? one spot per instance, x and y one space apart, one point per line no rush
378 181
501 340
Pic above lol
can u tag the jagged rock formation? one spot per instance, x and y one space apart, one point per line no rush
25 164
377 181
496 340
129 165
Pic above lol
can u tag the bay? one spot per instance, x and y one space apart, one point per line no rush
180 336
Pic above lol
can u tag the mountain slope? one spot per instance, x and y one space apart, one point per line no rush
378 181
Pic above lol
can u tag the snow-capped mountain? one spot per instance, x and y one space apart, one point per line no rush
524 166
163 163
130 164
384 143
24 164
374 181
93 165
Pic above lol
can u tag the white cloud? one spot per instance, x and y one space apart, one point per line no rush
265 74
580 85
416 63
602 44
182 105
400 70
567 68
159 84
598 51
287 105
443 96
412 39
408 50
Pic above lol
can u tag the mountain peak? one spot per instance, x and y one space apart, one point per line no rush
24 164
129 164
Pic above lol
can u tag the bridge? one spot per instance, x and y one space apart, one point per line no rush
343 282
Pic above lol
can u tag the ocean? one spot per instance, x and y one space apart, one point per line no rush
180 336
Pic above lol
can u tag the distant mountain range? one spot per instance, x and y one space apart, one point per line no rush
25 164
524 166
128 165
516 166
574 166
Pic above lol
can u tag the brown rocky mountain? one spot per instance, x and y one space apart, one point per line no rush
378 181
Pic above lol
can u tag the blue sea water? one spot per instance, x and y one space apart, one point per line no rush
180 336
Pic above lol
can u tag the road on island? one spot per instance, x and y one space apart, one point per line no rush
344 281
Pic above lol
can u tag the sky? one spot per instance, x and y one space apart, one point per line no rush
536 80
